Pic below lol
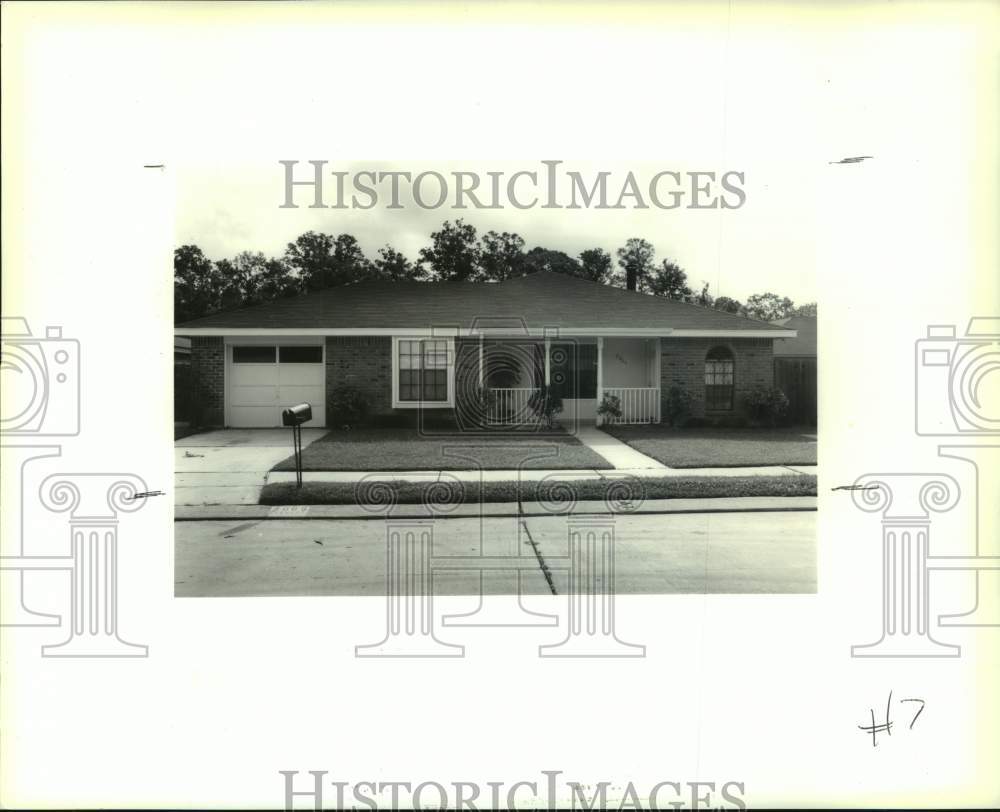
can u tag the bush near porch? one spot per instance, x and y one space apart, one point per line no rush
415 493
406 449
719 447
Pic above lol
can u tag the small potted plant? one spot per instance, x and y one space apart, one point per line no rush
610 407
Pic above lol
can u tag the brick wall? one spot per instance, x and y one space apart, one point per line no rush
683 364
363 362
208 381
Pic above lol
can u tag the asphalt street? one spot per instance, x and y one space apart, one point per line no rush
763 553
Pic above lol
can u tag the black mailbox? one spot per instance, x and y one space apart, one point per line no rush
297 415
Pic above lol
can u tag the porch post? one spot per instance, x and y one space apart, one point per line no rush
600 375
548 360
482 374
658 378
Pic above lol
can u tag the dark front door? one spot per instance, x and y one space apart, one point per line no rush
573 370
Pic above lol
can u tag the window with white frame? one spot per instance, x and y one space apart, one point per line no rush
422 372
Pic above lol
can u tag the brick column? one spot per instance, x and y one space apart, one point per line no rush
208 380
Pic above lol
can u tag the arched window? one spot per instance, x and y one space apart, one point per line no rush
719 379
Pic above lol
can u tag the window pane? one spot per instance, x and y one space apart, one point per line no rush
254 354
435 353
423 370
435 385
300 355
719 376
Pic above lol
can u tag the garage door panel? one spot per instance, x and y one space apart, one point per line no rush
302 394
253 396
258 392
301 374
250 374
255 416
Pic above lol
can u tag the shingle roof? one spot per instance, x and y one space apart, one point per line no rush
542 299
804 344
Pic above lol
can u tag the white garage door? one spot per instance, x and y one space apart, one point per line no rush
266 378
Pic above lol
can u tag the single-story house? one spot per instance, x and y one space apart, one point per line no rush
489 345
795 371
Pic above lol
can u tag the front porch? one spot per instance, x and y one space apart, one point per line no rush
582 371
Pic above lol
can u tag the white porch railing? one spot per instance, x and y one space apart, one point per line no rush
511 407
638 404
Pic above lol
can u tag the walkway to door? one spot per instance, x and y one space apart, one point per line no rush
616 452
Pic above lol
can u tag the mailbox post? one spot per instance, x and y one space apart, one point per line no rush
295 416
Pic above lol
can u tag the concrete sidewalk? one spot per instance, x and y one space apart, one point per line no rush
744 504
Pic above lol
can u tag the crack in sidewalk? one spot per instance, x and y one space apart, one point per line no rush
534 546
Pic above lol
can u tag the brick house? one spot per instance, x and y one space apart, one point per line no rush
475 347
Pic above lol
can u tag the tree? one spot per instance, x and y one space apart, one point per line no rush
636 261
670 281
703 298
392 266
768 306
808 309
276 281
251 278
501 256
545 259
454 253
728 305
595 265
322 261
196 284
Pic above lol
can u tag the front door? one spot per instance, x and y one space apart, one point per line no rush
573 376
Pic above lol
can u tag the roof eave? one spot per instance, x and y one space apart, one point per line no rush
604 332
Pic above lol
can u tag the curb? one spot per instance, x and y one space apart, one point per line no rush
493 510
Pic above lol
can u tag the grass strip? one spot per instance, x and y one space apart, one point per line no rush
447 491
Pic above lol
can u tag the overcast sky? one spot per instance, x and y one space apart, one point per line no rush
720 87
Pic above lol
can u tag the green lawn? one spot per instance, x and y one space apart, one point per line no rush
409 493
719 448
404 449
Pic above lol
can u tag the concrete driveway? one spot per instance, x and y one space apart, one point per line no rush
229 466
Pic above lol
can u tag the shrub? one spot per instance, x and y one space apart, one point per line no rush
676 405
766 404
348 407
610 406
476 407
545 404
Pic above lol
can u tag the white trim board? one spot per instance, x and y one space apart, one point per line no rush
451 332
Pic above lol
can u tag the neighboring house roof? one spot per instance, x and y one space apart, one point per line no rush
804 344
538 301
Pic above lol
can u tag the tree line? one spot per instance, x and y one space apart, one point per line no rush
316 260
